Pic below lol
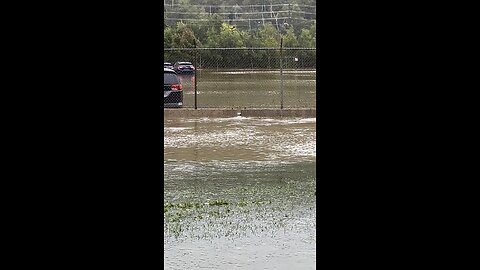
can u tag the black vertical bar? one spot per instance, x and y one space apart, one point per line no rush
195 72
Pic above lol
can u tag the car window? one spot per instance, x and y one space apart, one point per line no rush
170 78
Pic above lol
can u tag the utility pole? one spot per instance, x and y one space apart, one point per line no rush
263 9
272 15
290 13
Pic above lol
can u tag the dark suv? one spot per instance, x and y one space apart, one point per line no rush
184 67
172 89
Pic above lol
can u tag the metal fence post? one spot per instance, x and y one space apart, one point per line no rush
195 72
281 74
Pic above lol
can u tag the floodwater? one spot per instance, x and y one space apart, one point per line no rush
250 89
239 193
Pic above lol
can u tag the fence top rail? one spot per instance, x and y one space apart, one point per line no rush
245 49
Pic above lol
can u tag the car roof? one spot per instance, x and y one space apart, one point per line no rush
168 70
184 63
167 63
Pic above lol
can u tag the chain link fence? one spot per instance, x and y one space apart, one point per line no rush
247 77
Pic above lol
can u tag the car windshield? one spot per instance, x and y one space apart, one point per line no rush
170 78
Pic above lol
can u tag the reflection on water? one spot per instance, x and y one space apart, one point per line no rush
239 192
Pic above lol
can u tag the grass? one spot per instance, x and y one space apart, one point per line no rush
167 207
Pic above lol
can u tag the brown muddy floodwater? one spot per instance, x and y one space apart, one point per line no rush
239 193
250 88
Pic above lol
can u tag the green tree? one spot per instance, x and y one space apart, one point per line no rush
229 37
212 38
167 37
290 40
269 36
183 36
306 39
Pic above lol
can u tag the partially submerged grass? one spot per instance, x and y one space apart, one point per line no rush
167 207
230 218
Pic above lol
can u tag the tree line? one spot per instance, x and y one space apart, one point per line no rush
220 34
246 15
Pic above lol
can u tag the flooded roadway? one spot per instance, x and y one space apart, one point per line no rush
239 193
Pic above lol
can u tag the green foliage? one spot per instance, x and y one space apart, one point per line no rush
306 38
290 40
269 37
183 36
214 23
228 36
